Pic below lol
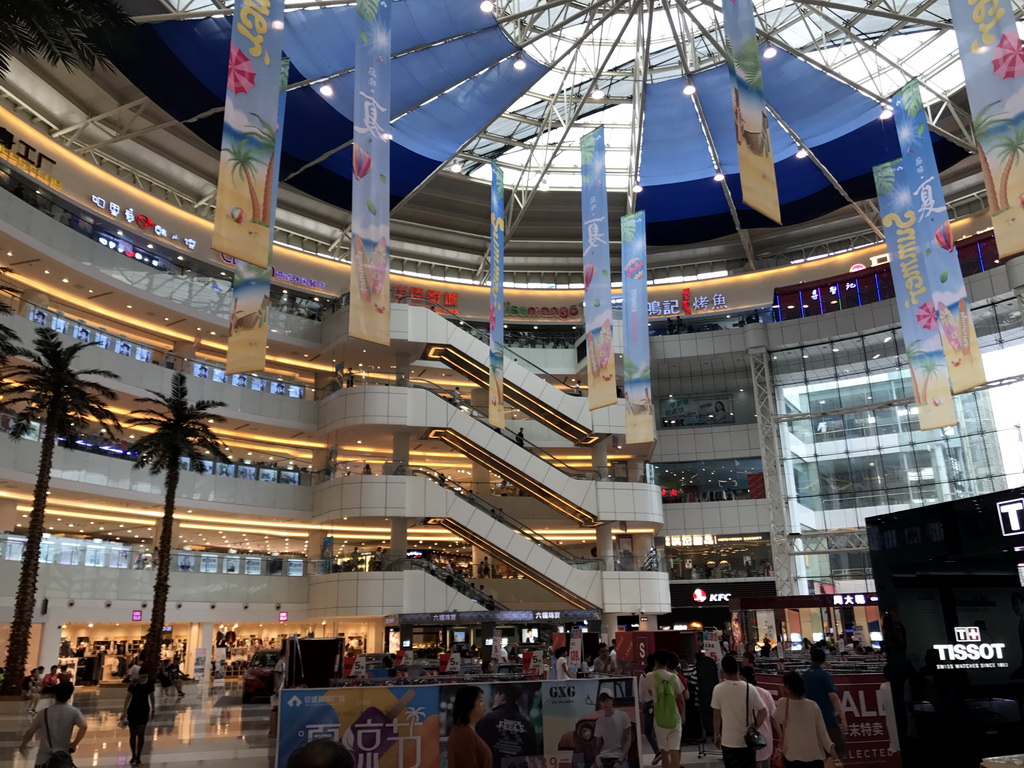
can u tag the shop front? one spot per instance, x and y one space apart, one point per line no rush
846 623
701 557
705 604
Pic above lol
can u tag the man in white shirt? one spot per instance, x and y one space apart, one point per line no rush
613 733
502 654
55 725
133 673
736 706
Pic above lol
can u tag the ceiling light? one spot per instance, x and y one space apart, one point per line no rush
886 112
456 167
519 63
770 51
689 89
326 90
487 6
719 176
637 188
801 153
597 94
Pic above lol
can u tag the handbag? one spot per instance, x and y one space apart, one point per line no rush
60 758
777 759
753 738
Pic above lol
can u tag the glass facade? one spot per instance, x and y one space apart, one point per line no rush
711 480
706 410
707 557
850 439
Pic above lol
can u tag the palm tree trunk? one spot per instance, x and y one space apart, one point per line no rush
254 199
25 602
161 587
268 189
1004 182
990 185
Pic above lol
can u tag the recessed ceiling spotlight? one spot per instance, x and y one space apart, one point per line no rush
519 63
719 176
456 167
689 89
597 94
801 153
487 6
637 188
770 52
326 90
886 112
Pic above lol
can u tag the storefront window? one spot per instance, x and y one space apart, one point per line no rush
714 480
711 410
702 557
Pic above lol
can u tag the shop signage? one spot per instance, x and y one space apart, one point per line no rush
285 277
141 221
750 538
510 617
700 596
698 540
448 299
282 616
1011 517
552 313
27 158
857 599
968 652
136 615
547 615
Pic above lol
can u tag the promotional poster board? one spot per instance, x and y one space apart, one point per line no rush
527 724
496 382
636 340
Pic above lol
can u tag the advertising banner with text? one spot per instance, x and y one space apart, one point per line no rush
753 140
496 386
370 315
597 286
527 724
909 244
990 52
248 172
949 295
636 341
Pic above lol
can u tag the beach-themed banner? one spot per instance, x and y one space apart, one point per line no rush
636 341
949 295
908 243
496 393
247 179
527 724
250 310
597 286
370 312
753 141
993 62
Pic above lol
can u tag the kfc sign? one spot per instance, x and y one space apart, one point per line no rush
700 596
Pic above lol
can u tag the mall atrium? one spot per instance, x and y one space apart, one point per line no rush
366 493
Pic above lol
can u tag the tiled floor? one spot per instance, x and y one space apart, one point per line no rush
202 728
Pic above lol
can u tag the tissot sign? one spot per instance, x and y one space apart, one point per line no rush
1011 517
700 596
968 652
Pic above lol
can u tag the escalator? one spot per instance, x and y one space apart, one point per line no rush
457 583
575 580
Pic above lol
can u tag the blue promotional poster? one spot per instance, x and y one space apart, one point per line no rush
496 388
753 139
909 244
636 344
949 295
993 62
370 287
247 178
597 286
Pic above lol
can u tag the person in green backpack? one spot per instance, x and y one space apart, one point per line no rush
666 691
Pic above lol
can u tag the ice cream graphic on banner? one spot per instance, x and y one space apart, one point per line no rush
496 384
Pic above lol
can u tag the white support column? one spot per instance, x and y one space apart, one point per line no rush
605 550
399 544
49 644
771 464
599 458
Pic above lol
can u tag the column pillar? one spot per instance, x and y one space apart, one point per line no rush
605 551
636 470
206 634
478 556
599 458
183 351
609 626
642 543
49 643
402 369
399 544
480 479
399 449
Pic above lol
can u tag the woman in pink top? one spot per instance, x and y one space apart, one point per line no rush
805 740
764 755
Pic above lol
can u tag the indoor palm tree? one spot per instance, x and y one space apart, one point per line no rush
178 431
68 32
47 390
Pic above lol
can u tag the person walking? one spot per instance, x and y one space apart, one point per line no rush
822 691
736 706
520 438
55 724
646 698
665 690
174 672
763 757
138 706
804 737
465 747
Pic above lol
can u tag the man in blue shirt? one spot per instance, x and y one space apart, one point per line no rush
822 691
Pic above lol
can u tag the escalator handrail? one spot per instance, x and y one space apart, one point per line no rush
459 584
496 512
533 448
479 335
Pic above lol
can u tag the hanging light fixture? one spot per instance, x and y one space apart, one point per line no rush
770 51
886 112
456 167
487 6
801 153
719 176
637 188
519 63
326 90
597 94
689 89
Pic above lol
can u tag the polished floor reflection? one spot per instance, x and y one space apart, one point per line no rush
205 726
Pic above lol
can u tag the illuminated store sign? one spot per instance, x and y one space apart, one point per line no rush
136 615
285 277
1011 517
553 313
968 652
141 221
27 158
447 299
282 616
700 596
854 599
698 540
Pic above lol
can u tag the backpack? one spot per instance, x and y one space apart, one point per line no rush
666 714
60 758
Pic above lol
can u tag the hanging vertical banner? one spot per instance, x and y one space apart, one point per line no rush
247 178
250 284
907 241
496 393
597 286
993 62
949 295
636 341
370 289
753 140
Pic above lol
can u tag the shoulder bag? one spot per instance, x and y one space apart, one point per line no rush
753 738
60 758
